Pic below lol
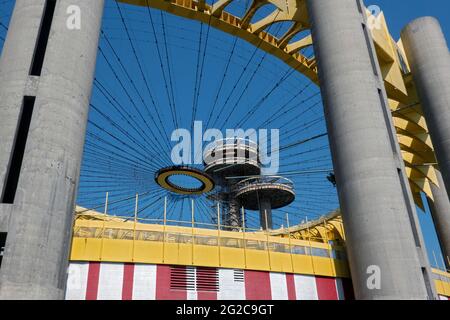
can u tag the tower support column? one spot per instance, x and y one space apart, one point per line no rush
46 75
265 213
234 214
383 241
429 60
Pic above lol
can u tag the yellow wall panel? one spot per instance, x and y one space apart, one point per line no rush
171 253
322 266
185 253
117 251
302 264
232 258
86 249
280 262
148 252
257 259
206 256
91 248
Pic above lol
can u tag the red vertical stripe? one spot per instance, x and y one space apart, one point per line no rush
326 288
347 286
257 285
92 281
128 278
207 283
163 290
290 286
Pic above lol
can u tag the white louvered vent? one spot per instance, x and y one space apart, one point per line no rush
238 275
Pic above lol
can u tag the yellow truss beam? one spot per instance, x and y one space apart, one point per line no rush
324 229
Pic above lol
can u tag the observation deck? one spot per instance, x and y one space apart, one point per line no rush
232 157
279 191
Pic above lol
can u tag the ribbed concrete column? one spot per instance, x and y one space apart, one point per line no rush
265 213
429 59
368 171
40 220
440 211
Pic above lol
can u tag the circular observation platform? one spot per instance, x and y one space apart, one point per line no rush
233 157
278 190
164 178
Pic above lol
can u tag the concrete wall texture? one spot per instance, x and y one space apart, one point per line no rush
39 222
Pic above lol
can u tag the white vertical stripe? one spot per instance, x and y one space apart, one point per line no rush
340 289
228 288
191 294
110 281
191 274
77 281
144 282
305 287
278 286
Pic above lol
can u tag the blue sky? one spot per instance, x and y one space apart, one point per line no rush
399 13
190 71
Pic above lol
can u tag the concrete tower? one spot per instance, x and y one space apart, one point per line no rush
46 73
383 237
440 211
429 59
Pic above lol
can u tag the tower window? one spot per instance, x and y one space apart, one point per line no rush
2 245
42 40
18 150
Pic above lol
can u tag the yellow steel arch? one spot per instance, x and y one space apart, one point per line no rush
408 117
325 229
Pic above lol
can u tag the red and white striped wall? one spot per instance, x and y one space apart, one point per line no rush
119 281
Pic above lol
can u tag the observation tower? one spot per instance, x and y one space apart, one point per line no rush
264 193
235 166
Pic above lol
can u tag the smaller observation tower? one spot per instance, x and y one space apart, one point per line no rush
264 193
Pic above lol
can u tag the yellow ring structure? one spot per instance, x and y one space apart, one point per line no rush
412 131
163 175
